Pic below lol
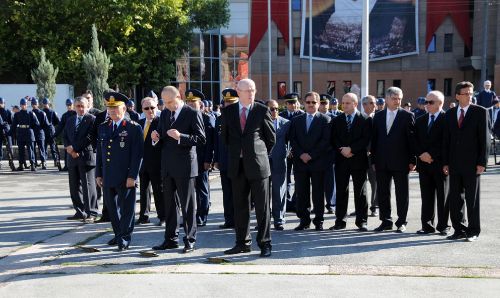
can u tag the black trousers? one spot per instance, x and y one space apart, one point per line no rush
179 193
120 201
148 178
202 197
372 179
468 184
434 191
303 181
343 172
227 198
244 191
384 178
82 190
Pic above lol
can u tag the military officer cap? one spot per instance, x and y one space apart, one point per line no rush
380 101
45 101
209 103
421 100
15 107
291 97
1 100
229 95
130 103
69 101
325 97
115 99
23 102
194 95
334 101
160 102
34 101
205 103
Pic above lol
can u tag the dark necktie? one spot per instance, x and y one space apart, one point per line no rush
461 118
243 118
430 124
349 122
172 118
78 122
115 127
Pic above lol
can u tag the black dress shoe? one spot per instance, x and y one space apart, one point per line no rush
329 210
238 249
122 247
338 226
166 245
102 219
265 252
226 226
188 248
279 227
74 217
32 168
302 227
444 232
425 231
112 242
318 227
457 236
44 166
20 169
363 227
383 227
201 224
142 221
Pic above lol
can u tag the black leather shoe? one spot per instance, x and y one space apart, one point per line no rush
425 231
112 242
32 168
161 223
279 227
102 219
338 226
318 227
44 166
201 224
444 232
238 249
302 227
74 217
142 221
20 168
265 252
383 227
363 227
122 247
166 245
188 248
457 236
329 210
226 226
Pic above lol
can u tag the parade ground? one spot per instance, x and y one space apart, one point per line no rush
44 255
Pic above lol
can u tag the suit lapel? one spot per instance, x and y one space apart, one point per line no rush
250 117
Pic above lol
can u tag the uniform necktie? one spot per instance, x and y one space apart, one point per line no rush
430 124
461 118
115 126
391 120
172 118
308 122
349 122
243 118
146 129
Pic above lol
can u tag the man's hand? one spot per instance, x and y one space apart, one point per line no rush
426 157
480 170
130 183
69 149
446 170
411 167
174 134
207 166
155 137
346 152
98 180
305 157
75 155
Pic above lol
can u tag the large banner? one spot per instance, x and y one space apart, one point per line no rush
336 29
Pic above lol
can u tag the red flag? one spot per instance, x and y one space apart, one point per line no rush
279 14
438 10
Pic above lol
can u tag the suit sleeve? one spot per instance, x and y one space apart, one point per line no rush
269 131
137 151
483 138
446 139
410 138
197 137
66 140
374 138
224 133
297 150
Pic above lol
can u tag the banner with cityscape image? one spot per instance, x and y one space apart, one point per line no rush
336 29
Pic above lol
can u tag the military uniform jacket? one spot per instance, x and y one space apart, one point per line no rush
6 116
53 120
23 124
44 124
119 152
82 139
220 149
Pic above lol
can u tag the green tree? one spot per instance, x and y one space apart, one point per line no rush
45 78
97 65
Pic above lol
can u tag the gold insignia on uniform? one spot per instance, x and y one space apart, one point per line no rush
190 95
228 94
111 99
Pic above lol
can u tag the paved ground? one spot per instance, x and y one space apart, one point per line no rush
39 250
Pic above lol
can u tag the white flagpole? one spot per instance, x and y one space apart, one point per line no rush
269 47
365 49
310 47
290 47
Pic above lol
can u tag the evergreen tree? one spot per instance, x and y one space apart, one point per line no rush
45 77
97 65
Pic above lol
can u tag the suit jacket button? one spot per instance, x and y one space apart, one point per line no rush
108 159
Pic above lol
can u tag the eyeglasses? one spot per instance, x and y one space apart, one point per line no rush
311 102
273 109
429 102
148 108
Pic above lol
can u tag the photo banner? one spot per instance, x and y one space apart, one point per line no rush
336 29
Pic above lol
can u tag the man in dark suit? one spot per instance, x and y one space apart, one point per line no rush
429 134
485 97
205 155
180 130
351 133
221 161
248 132
119 156
392 151
310 140
465 156
277 159
150 173
79 142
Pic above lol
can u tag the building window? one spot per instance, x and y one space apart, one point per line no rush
448 42
297 88
431 85
330 88
347 86
380 88
447 87
396 83
296 46
281 90
432 45
296 5
281 47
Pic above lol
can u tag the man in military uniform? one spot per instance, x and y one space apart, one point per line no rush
5 133
205 154
40 132
420 109
134 116
380 104
334 108
119 156
23 124
50 132
60 128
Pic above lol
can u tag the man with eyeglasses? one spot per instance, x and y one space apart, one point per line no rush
150 173
465 156
369 110
310 140
429 134
277 159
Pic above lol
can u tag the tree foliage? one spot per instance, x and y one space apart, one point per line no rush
45 77
143 38
96 65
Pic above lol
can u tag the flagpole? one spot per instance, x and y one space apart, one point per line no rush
310 47
365 49
290 47
269 48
